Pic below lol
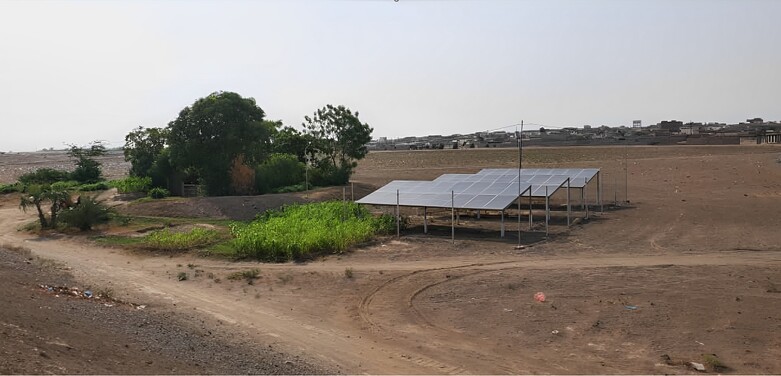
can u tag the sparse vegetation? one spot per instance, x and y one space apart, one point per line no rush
167 240
132 184
714 362
348 273
88 213
303 231
249 275
182 276
158 193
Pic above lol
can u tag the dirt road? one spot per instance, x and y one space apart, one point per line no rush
689 273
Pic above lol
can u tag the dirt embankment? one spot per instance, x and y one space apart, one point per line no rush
44 331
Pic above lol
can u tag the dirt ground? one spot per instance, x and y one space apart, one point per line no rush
688 271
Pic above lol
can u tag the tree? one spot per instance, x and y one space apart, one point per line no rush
37 195
142 146
339 140
87 168
290 141
212 133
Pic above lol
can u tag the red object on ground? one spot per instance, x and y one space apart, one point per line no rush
540 297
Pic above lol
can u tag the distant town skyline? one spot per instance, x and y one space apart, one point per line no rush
78 71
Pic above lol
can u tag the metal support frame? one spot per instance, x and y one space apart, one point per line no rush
398 214
502 231
531 214
425 220
547 210
453 216
599 192
568 208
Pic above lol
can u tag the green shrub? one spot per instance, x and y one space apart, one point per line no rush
157 193
290 188
132 184
99 186
280 170
86 214
168 240
11 188
303 231
328 175
44 176
87 171
65 185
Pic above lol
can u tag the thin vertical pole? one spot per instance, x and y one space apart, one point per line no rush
586 202
626 174
615 191
568 202
344 202
425 220
453 216
531 214
398 213
520 166
599 192
547 211
502 234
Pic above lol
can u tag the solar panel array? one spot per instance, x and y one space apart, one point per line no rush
578 177
542 185
475 195
489 189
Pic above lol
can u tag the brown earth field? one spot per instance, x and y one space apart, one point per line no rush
679 261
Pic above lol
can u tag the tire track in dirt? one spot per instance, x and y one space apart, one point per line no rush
365 314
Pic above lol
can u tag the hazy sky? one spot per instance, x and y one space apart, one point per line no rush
76 71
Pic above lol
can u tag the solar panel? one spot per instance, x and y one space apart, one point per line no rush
579 177
489 189
465 195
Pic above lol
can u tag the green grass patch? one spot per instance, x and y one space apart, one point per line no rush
132 184
303 231
119 241
167 240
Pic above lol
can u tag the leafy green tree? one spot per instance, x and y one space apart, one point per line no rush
339 139
142 146
288 140
209 135
87 168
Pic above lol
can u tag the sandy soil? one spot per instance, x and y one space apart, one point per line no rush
689 272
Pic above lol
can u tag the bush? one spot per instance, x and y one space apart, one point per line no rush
44 176
158 193
328 175
86 214
302 231
132 184
65 185
168 240
280 170
99 186
11 188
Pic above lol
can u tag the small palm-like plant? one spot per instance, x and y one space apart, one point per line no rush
38 194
